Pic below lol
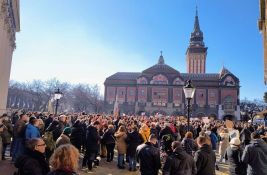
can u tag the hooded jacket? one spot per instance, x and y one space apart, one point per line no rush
149 158
179 163
205 160
145 132
255 155
236 166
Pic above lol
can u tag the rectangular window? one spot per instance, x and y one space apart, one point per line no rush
142 92
132 92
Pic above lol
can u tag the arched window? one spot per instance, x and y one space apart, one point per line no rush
159 79
178 81
229 81
142 80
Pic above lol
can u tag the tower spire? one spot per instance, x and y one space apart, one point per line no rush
161 59
196 52
196 25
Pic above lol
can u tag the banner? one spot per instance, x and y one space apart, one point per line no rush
116 107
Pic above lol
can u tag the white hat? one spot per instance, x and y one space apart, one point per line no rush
235 141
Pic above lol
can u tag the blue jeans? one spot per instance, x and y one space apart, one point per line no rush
120 160
132 162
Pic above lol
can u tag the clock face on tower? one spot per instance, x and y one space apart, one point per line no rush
197 33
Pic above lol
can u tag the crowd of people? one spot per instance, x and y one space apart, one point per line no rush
42 144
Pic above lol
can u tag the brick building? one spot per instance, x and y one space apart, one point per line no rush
160 87
262 24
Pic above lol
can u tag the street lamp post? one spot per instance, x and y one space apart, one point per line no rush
57 96
189 92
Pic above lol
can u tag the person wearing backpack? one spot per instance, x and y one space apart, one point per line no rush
179 162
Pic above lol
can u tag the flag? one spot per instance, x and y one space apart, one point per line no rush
116 107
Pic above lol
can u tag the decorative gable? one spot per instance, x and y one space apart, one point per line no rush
229 81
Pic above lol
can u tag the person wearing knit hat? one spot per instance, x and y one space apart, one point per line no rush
67 131
234 153
64 137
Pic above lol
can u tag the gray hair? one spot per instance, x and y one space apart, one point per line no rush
31 143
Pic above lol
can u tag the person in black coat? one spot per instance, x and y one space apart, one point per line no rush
245 135
133 140
205 158
33 161
92 144
179 162
148 157
254 155
77 134
109 140
233 155
167 137
48 120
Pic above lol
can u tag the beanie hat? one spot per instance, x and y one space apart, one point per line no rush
67 131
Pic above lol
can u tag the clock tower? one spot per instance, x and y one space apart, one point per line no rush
196 52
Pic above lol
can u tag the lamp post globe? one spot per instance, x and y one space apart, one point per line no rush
57 96
189 92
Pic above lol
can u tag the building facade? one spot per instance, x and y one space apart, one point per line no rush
9 25
262 24
159 89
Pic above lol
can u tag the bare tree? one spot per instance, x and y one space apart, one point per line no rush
36 95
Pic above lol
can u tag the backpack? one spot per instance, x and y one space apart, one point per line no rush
49 141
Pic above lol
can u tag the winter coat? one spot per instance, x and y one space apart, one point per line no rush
55 129
19 129
236 166
179 163
255 155
48 121
166 131
32 132
205 160
63 139
92 139
189 145
145 132
245 135
148 157
7 132
121 142
108 137
213 139
32 163
76 136
224 143
133 140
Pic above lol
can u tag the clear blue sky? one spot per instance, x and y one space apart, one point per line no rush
85 41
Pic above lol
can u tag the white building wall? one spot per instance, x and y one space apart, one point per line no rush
8 28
